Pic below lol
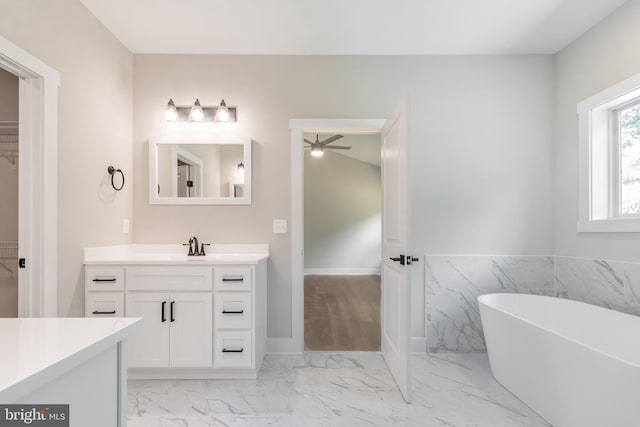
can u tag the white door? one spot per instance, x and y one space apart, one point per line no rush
396 283
190 316
149 347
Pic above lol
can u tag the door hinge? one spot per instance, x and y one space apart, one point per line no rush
22 263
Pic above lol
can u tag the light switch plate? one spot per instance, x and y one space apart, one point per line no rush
279 226
125 225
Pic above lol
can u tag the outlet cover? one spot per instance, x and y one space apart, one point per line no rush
279 226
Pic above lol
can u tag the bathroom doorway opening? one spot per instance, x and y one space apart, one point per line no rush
37 243
9 172
342 241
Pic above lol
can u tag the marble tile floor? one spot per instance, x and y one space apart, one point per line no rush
329 389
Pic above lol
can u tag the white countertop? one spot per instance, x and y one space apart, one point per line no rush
36 350
164 254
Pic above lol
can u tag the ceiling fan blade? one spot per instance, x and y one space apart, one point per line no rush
330 140
338 147
308 142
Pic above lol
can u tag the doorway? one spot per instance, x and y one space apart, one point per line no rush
9 95
37 181
342 241
396 222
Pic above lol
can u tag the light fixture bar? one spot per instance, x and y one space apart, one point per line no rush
209 113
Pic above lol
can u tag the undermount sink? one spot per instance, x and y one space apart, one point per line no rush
175 257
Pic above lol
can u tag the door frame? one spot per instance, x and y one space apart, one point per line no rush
299 127
38 180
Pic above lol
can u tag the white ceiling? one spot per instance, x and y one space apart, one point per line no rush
349 27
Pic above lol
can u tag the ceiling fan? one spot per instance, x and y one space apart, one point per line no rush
317 147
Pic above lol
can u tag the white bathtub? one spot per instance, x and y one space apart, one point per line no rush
575 364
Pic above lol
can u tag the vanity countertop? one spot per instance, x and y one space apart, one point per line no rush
171 254
36 350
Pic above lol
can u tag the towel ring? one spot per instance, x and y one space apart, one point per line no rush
112 171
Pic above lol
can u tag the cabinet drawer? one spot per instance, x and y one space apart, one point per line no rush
232 311
233 349
232 278
104 278
169 278
104 304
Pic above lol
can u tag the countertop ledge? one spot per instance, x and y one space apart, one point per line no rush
37 350
175 254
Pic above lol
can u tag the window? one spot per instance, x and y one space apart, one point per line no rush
609 124
626 150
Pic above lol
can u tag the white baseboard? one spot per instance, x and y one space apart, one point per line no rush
418 345
282 346
342 271
288 346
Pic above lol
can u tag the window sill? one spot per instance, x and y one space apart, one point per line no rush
618 225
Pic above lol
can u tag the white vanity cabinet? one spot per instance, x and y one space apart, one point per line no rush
177 323
203 318
104 286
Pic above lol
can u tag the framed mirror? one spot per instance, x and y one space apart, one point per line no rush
199 170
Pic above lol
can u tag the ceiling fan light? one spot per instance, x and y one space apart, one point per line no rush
317 151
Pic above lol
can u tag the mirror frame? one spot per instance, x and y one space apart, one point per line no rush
183 139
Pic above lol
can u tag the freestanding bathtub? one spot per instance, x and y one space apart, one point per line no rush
575 364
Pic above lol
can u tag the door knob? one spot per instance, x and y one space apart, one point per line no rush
399 259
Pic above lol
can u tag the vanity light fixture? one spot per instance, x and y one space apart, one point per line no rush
171 114
222 115
240 167
197 113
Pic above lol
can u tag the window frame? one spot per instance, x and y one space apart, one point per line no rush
599 159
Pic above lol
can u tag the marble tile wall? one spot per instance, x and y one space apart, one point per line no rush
452 284
610 284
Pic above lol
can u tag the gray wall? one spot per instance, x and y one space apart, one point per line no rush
605 55
342 214
8 200
480 148
94 127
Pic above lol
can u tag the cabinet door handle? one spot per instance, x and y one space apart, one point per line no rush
224 350
173 319
232 312
98 280
104 312
233 279
164 319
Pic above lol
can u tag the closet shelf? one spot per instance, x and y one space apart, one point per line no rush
8 253
9 141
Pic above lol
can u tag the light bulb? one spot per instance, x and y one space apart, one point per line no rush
222 113
171 113
196 114
317 152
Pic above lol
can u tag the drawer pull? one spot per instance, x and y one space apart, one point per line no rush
233 279
162 317
173 319
232 312
224 350
99 280
104 312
